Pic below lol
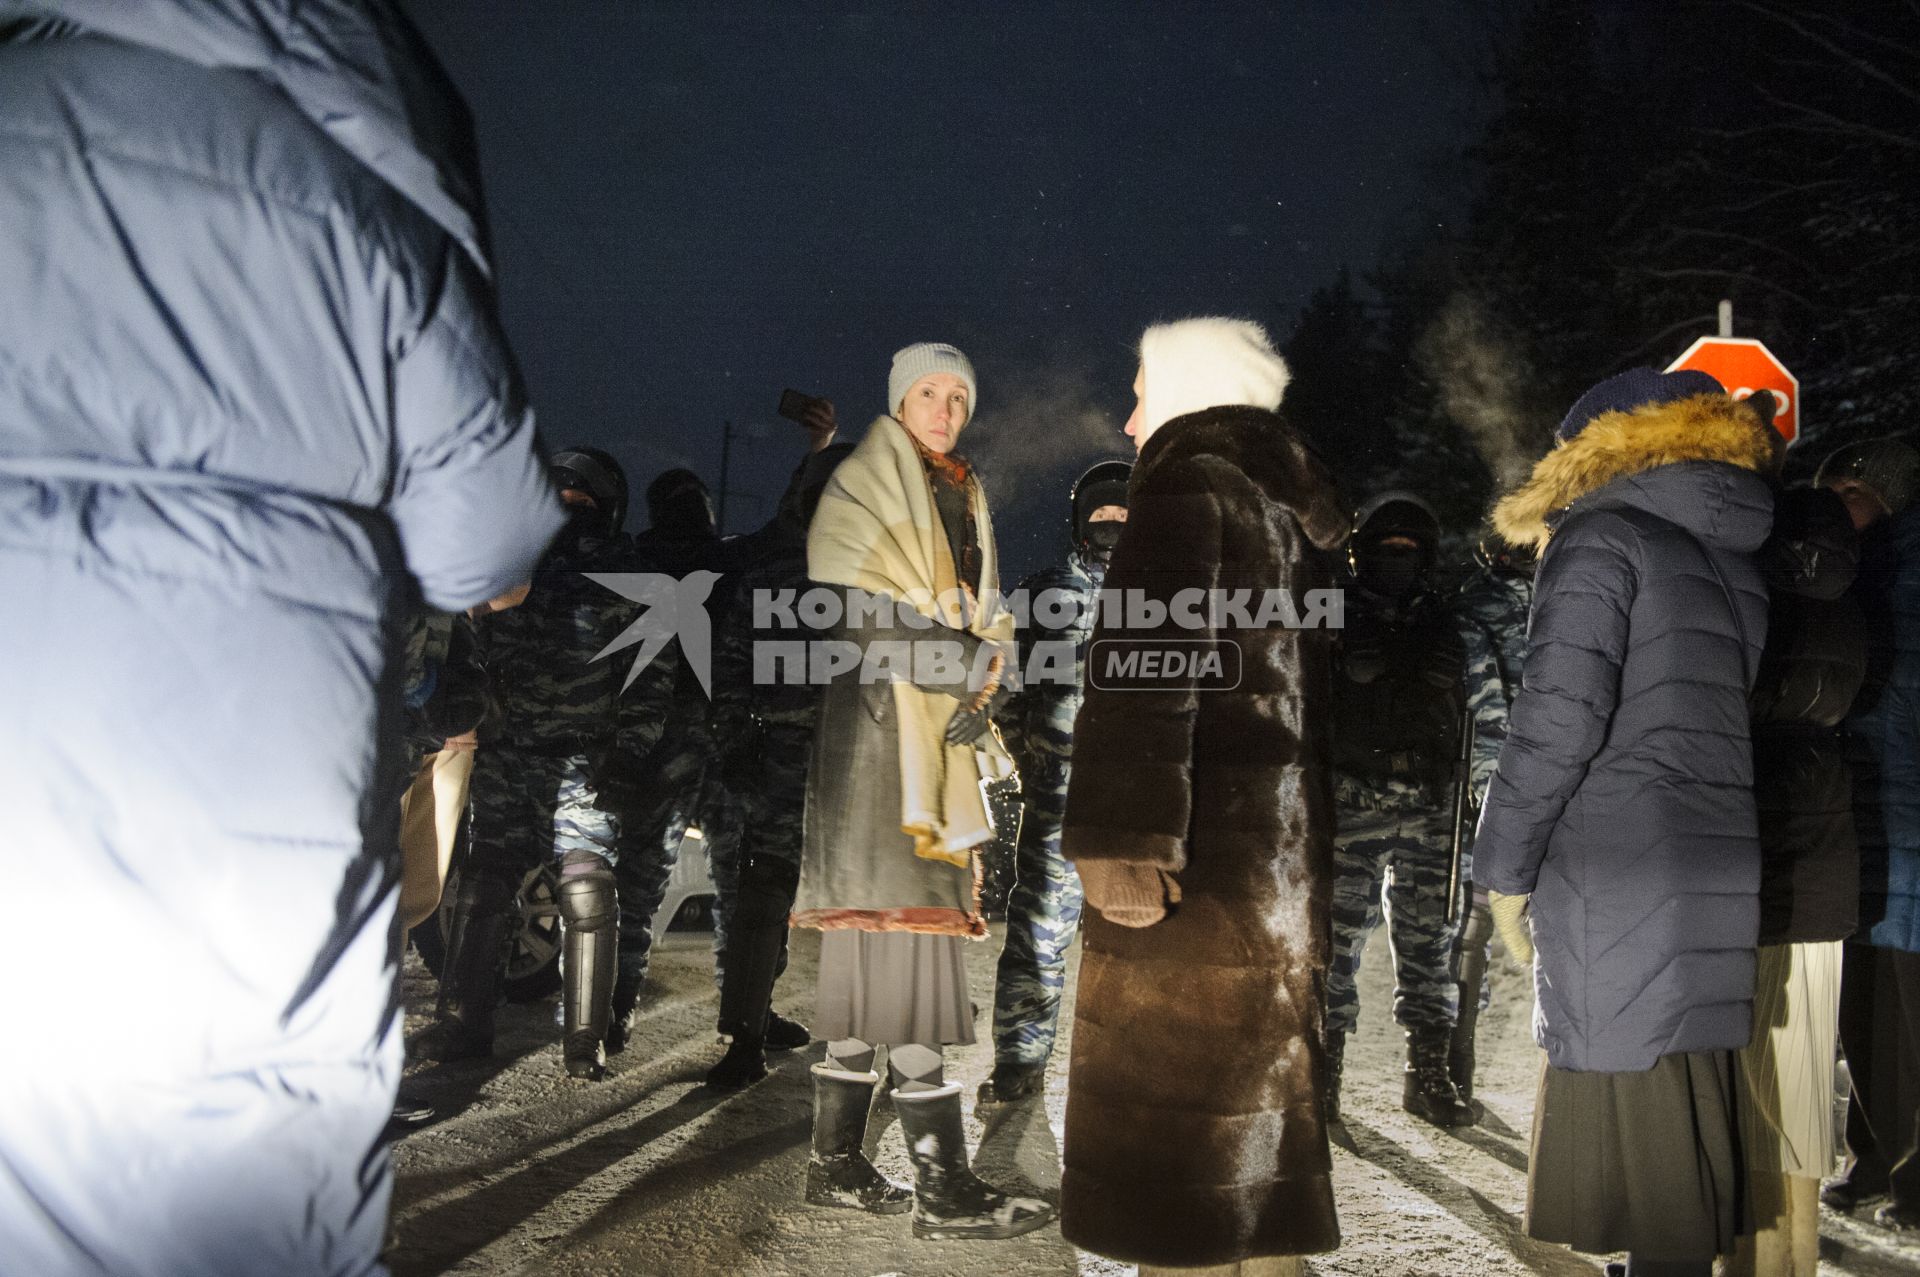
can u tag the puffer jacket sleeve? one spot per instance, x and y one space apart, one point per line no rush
471 498
1130 795
1567 697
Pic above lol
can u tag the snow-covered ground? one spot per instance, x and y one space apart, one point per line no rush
651 1173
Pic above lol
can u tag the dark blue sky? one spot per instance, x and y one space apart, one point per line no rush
696 205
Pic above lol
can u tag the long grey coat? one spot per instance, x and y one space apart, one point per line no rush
858 868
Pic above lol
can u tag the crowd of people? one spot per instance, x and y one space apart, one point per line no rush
297 590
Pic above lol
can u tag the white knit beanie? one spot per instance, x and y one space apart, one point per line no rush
923 359
1208 363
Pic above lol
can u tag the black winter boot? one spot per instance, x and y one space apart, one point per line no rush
1428 1091
589 907
623 1016
470 982
1470 966
1011 1082
1460 1044
1336 1059
744 1064
784 1034
838 1173
949 1200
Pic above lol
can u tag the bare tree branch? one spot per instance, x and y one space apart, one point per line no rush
1865 67
1836 126
1694 272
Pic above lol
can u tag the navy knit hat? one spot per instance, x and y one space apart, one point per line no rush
1634 388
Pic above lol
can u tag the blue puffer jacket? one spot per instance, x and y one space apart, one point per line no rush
253 396
1623 798
1884 736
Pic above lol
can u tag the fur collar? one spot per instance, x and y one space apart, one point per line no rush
1617 445
1260 444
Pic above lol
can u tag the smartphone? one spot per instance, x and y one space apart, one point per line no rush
794 405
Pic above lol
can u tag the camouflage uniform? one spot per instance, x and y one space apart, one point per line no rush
1394 743
671 789
558 720
1043 910
732 789
1492 607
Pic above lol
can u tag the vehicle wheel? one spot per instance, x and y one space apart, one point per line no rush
533 961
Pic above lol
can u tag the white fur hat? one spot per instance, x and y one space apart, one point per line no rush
924 359
1208 363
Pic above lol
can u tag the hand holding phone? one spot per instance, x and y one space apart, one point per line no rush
814 413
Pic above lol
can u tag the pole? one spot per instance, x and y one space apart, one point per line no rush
1462 807
1726 318
726 451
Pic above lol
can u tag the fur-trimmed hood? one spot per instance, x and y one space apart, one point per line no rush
1622 446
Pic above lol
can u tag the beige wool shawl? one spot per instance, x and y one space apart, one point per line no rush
877 530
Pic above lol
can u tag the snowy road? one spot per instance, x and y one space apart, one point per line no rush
650 1173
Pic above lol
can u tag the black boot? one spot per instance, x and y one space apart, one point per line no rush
756 954
1336 1059
949 1200
1428 1091
462 1028
1011 1082
624 1017
590 909
784 1034
1470 966
1460 1045
838 1173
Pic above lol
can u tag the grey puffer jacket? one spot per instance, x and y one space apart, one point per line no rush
1623 800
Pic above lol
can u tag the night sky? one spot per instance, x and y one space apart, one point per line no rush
694 206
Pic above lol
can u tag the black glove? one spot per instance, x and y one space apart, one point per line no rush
968 725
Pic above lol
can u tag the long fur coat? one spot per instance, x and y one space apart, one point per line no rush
1194 1127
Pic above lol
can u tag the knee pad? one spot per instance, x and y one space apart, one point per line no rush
587 896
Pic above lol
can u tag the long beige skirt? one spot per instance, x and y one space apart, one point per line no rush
892 988
1786 1096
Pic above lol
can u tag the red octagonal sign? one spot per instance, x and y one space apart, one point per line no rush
1745 367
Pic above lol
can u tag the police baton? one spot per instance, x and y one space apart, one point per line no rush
1462 802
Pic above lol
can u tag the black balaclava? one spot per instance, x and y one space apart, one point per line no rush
596 473
1102 485
1395 539
679 506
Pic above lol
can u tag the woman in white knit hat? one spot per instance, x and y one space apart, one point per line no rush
1200 817
895 818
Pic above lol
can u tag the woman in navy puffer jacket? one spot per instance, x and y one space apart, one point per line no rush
1623 805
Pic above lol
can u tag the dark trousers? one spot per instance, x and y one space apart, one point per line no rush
1880 1032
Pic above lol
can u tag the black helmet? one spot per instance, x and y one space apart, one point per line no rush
1395 512
678 501
1104 483
594 472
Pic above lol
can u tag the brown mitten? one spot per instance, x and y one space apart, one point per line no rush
1127 893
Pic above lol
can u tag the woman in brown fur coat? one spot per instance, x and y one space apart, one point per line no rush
1200 817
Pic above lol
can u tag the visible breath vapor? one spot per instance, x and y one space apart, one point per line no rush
1041 427
1482 376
